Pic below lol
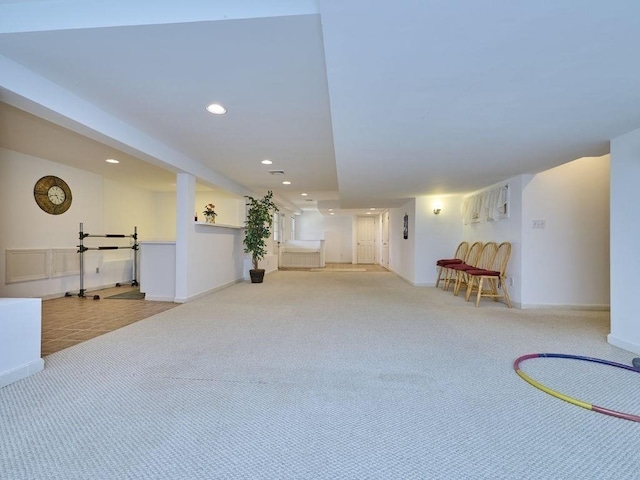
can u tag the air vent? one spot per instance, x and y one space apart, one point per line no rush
310 200
276 172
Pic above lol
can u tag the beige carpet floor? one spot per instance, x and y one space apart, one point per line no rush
333 376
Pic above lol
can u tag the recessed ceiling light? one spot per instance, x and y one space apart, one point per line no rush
286 182
368 213
304 194
266 162
112 160
331 209
372 209
332 213
216 109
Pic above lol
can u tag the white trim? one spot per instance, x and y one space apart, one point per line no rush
623 344
586 307
23 371
199 295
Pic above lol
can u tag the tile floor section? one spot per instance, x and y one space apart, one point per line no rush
68 321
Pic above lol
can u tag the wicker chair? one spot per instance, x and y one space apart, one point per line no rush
470 259
458 257
495 277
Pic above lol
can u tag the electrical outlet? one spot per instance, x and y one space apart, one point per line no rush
538 223
511 281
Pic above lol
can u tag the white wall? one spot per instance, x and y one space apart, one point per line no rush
310 225
229 207
625 231
567 262
402 251
163 216
26 226
335 230
338 236
505 230
124 209
437 236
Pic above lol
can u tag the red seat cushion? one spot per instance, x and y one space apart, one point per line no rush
448 261
461 266
485 273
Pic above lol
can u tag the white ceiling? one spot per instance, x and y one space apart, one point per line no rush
362 103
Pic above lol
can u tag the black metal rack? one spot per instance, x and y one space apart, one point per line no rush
82 248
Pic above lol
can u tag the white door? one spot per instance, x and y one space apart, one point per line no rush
366 240
384 261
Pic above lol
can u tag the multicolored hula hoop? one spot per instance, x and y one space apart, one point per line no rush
566 398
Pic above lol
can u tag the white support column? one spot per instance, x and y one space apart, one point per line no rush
625 231
185 200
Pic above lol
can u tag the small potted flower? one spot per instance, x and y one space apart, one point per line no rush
210 213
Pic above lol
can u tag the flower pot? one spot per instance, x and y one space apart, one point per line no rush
211 219
257 276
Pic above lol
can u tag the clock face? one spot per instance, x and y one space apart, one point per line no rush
52 194
56 195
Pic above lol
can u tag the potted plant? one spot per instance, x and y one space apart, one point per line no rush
257 230
210 213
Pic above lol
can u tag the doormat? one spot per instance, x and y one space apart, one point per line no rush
131 295
331 270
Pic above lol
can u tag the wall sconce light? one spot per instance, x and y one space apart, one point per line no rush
437 208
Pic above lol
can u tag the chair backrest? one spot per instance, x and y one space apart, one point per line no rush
461 251
473 253
502 258
487 255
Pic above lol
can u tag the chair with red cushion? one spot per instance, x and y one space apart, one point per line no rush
484 261
470 259
458 257
495 276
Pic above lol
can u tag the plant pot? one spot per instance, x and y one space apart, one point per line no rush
257 276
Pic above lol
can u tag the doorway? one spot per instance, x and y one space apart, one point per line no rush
366 240
384 254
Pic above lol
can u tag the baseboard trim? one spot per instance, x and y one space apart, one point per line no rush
74 293
623 344
152 298
23 371
206 292
595 308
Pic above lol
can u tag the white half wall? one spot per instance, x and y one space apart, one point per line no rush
625 231
20 324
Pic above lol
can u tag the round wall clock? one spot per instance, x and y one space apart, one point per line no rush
52 195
